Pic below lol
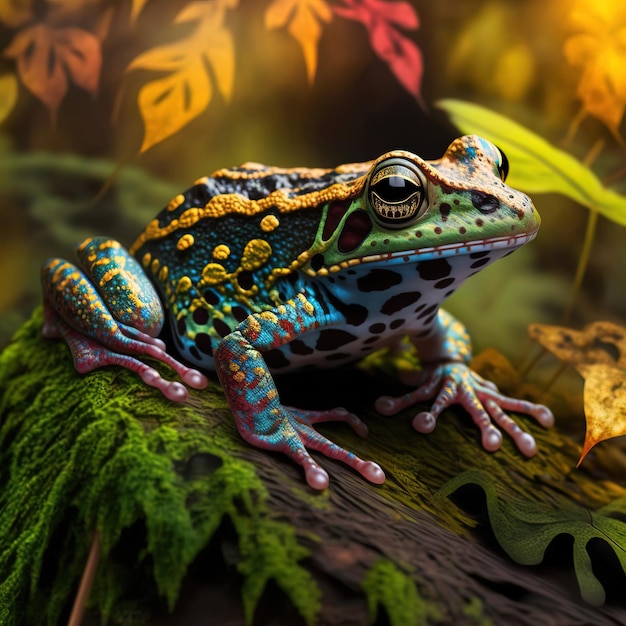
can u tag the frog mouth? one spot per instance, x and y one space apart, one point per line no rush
510 242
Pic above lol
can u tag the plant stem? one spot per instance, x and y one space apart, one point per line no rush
583 261
590 231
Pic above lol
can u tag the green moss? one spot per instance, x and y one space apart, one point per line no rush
387 586
98 452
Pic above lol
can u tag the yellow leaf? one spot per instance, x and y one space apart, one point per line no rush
14 13
168 104
8 95
303 19
136 8
605 403
598 46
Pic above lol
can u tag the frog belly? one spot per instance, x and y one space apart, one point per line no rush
370 306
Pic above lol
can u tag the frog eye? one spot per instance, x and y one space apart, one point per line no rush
396 194
502 165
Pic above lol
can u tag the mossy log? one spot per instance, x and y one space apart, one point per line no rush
197 527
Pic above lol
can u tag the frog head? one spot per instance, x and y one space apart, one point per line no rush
406 208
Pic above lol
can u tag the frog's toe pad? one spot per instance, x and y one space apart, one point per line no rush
371 471
424 423
172 390
316 477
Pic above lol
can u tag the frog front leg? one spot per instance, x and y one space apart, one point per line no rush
446 376
108 313
253 398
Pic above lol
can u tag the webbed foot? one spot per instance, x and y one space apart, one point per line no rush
455 383
291 431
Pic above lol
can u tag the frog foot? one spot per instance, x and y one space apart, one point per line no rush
294 432
91 353
455 383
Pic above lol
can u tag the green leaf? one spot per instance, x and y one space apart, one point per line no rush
525 528
536 165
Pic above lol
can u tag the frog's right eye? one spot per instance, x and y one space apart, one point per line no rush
396 193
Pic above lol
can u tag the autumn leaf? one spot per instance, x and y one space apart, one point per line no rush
48 59
303 19
168 104
14 13
596 343
8 95
604 396
598 353
598 46
381 19
136 8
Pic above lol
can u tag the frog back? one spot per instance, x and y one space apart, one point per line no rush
233 243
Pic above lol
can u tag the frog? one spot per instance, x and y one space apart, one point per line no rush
260 270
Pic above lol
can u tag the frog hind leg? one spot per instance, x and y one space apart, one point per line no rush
75 311
260 417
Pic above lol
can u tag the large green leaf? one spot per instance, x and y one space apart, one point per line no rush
525 528
536 165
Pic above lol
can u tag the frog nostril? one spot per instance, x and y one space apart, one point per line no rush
485 202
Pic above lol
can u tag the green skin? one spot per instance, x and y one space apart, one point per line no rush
264 270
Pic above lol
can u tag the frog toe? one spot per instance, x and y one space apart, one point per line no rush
338 414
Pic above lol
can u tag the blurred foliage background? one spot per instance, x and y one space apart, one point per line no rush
110 107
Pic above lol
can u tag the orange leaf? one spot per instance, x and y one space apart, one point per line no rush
47 59
605 403
400 53
303 19
168 104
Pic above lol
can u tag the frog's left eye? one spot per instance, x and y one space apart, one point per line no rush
502 165
396 193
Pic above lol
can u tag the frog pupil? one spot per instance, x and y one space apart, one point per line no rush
503 166
394 189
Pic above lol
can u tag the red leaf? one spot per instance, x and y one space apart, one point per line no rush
398 51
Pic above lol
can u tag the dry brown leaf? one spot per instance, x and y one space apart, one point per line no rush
605 403
598 342
303 20
168 104
49 58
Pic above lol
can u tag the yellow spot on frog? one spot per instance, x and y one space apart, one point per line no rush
175 202
214 273
255 254
221 252
184 284
186 241
269 223
163 273
154 266
147 258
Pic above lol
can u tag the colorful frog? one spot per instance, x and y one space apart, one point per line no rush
260 270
